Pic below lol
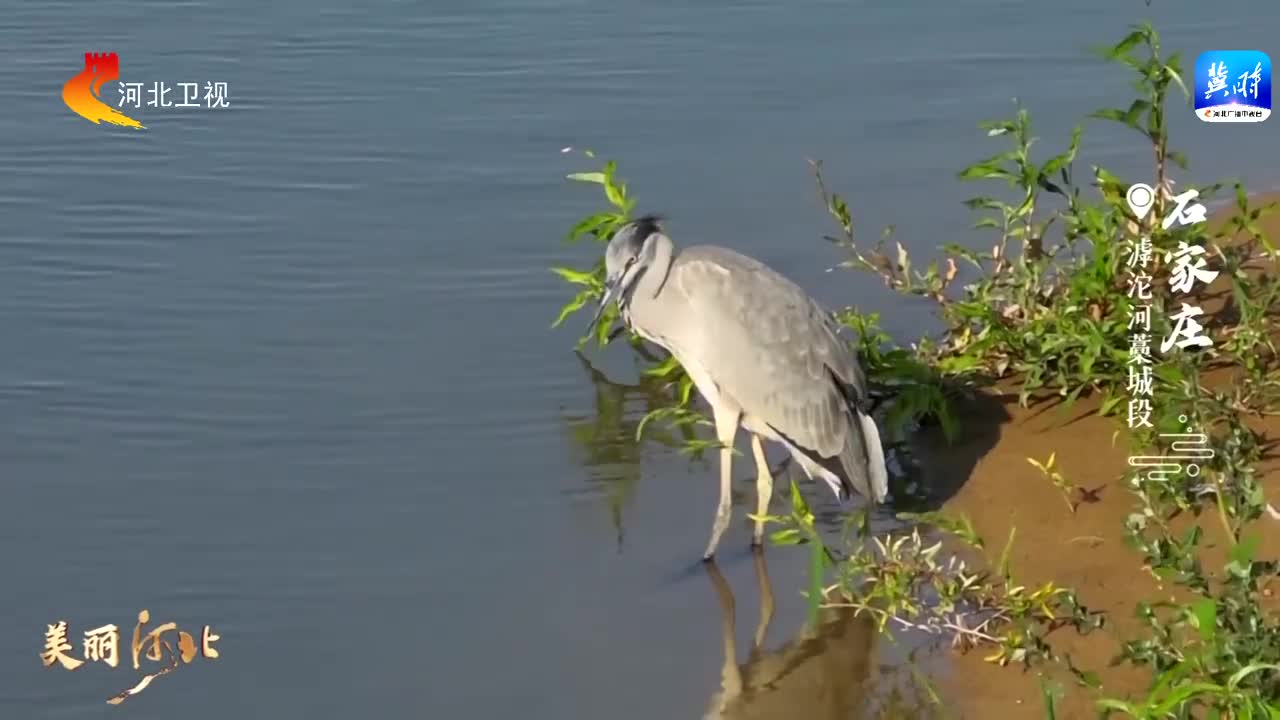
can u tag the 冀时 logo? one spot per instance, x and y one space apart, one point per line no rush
1233 86
83 93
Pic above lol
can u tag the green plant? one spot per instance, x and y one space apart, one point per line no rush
1048 469
918 391
1050 695
801 530
905 583
599 227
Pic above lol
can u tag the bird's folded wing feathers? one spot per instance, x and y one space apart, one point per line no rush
773 349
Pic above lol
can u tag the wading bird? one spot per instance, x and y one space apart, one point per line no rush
761 352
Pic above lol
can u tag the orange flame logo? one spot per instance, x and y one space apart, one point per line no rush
82 92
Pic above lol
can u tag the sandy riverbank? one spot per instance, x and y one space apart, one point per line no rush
1085 551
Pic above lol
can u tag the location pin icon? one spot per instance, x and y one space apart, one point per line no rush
1140 198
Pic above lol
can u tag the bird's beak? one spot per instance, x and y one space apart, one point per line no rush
610 286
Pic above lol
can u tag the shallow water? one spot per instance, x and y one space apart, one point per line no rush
284 368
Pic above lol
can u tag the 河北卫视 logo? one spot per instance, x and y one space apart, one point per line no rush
83 93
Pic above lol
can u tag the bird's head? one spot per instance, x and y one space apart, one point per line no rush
631 251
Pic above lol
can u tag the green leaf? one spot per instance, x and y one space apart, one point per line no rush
1205 613
590 224
1004 555
663 368
1244 672
591 177
1127 117
1121 706
697 447
1049 693
817 564
616 195
1072 396
998 127
1182 694
606 324
1176 77
1129 42
1136 108
1110 402
686 389
649 416
1059 162
572 306
1110 114
1242 553
789 536
984 171
983 203
577 277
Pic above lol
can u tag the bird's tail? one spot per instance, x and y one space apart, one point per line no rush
863 460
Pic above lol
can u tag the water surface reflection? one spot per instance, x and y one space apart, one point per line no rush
821 673
604 441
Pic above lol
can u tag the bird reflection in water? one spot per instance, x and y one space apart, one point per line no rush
605 441
821 674
833 669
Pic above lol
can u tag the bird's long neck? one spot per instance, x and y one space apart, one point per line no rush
651 283
644 295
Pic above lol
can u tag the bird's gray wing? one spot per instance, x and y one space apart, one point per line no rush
770 347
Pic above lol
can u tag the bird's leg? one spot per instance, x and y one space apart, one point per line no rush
766 600
764 490
730 673
726 430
